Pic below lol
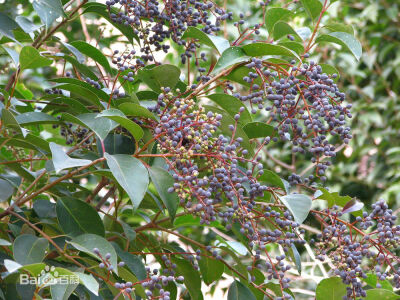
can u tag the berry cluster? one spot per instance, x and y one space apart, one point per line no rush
155 21
372 237
209 167
305 103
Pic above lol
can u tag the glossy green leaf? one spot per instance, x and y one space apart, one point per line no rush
312 7
62 161
230 57
381 294
10 121
30 58
48 10
372 281
93 53
7 25
87 242
102 10
294 46
238 291
131 174
160 76
6 189
330 70
218 43
258 130
81 84
162 180
330 289
276 14
78 217
27 25
191 278
13 54
136 110
282 29
262 49
29 249
339 27
271 179
89 282
35 117
62 291
211 269
81 92
298 204
348 41
133 262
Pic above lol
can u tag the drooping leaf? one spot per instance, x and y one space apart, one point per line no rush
6 189
162 180
48 10
191 278
348 41
116 144
29 249
35 117
89 282
30 58
330 289
133 262
218 43
78 217
87 242
27 25
238 291
7 25
93 53
131 174
298 204
211 269
62 161
262 49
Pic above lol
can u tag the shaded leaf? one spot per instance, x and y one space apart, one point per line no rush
87 242
299 205
211 269
116 115
238 291
62 161
48 10
77 217
131 174
29 249
276 14
258 130
229 57
344 39
160 76
312 7
30 58
162 180
330 289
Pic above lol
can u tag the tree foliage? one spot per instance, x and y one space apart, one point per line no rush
157 149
